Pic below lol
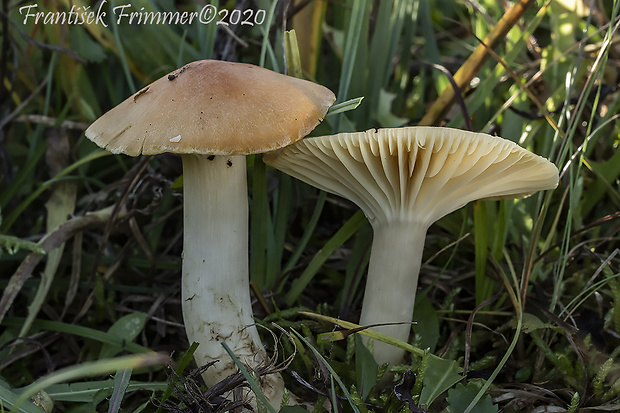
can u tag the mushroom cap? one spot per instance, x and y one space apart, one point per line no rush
419 173
213 107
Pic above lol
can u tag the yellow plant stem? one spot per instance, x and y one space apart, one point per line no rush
475 61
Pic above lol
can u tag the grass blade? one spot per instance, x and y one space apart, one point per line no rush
251 380
301 246
12 217
90 369
358 16
8 400
340 237
81 331
85 392
344 106
121 381
364 331
333 374
185 360
293 60
259 208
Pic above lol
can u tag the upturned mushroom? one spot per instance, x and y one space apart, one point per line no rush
404 180
214 113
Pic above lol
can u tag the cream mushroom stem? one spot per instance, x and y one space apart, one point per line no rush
215 284
393 270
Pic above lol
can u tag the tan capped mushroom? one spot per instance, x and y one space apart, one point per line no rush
404 179
214 113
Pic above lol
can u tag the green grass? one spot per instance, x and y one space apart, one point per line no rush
523 294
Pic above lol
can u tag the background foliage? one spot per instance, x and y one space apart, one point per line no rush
519 308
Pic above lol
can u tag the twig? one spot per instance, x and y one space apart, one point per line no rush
51 121
50 242
457 94
475 61
43 46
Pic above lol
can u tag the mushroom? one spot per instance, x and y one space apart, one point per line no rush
404 179
214 113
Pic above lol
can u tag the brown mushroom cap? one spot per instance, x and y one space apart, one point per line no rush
420 173
213 107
